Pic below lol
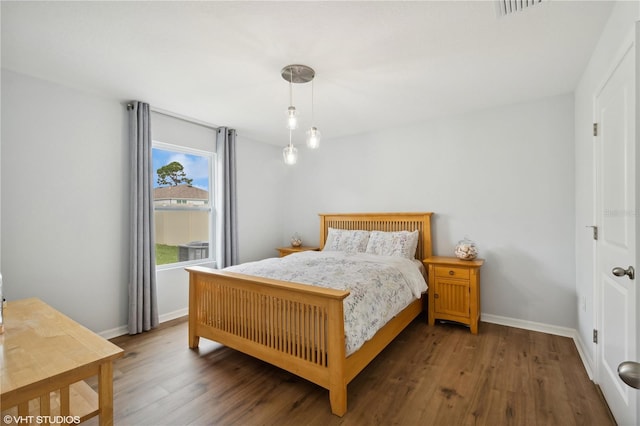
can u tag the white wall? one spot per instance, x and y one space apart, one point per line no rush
65 203
261 178
619 26
64 200
504 177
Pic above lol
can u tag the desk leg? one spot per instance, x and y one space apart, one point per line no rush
45 407
65 401
105 393
23 409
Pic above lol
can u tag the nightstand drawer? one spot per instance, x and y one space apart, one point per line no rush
452 272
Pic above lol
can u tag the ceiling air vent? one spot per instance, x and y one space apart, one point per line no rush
507 7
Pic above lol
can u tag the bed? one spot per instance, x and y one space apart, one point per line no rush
299 327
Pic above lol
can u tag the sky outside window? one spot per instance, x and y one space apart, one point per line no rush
196 167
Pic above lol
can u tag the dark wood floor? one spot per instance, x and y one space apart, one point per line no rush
440 375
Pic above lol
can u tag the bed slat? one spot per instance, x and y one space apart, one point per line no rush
289 326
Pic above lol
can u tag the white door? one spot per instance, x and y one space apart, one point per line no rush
616 246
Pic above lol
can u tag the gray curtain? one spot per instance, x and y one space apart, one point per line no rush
226 153
143 306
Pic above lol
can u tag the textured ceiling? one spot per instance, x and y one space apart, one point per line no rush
378 64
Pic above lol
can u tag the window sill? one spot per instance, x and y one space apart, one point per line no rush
209 263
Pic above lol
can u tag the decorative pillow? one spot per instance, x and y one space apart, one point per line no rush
350 241
399 244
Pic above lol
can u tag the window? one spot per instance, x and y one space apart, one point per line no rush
183 205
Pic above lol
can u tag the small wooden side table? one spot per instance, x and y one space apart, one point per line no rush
45 358
285 251
454 290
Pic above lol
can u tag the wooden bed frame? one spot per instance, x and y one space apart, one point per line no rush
298 327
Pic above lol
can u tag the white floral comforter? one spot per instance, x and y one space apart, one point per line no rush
380 286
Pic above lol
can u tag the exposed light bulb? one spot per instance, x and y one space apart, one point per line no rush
313 138
292 118
290 154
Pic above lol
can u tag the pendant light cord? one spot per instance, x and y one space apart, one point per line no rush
290 99
313 122
290 86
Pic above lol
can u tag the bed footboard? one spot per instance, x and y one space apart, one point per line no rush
296 327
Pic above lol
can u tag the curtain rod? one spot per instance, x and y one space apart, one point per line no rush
179 117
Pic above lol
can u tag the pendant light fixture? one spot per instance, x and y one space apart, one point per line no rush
292 114
313 134
290 153
298 74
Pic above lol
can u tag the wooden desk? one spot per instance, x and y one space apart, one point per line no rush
45 358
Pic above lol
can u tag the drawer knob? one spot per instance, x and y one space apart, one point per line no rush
451 272
436 295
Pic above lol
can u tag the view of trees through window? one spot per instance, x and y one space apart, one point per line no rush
182 204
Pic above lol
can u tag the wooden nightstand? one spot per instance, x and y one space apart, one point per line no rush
284 251
454 290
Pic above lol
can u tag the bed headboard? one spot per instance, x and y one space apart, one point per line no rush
388 222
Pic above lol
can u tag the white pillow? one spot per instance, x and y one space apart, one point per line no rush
350 241
399 244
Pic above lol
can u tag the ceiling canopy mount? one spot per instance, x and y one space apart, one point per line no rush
298 73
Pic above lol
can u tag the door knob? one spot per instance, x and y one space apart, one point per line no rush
629 372
620 272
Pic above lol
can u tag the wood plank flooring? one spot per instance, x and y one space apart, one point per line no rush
438 375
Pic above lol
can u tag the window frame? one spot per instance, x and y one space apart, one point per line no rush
212 208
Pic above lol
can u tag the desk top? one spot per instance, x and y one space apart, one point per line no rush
41 345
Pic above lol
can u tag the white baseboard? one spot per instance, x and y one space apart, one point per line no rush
584 354
549 329
123 329
114 332
175 314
